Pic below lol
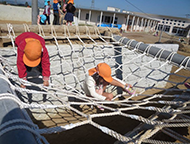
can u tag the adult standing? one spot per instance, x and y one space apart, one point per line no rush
47 11
56 12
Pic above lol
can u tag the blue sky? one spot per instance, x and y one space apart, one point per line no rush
178 8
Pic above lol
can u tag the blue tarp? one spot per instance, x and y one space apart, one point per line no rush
110 25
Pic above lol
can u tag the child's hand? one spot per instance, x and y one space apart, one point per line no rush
128 89
46 83
128 85
22 86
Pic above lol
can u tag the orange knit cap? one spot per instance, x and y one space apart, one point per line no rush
103 70
32 52
70 1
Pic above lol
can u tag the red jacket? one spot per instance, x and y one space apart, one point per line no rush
20 43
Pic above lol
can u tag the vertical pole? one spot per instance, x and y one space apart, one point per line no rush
188 34
171 29
34 11
161 32
177 30
127 22
89 16
144 27
113 19
137 24
142 20
79 15
154 25
148 25
101 18
157 26
132 23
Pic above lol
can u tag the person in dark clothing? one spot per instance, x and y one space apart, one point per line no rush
47 11
56 12
70 13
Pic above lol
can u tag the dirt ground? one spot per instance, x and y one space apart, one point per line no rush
148 38
87 134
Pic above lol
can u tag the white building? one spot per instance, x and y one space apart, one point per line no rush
133 21
113 9
175 25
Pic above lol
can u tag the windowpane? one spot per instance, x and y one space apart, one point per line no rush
87 16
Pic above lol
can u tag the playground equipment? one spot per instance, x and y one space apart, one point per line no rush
159 107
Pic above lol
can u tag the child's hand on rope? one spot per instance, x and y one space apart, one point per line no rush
128 85
46 83
22 86
128 89
23 83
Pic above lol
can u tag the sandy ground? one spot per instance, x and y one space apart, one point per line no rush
87 134
148 38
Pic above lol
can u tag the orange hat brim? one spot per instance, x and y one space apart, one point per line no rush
30 63
107 79
92 71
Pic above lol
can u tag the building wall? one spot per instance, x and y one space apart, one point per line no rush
176 26
15 13
95 17
173 25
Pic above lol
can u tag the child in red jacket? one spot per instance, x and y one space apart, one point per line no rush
31 52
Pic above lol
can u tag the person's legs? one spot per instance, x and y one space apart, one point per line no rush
48 19
57 20
70 23
54 19
62 18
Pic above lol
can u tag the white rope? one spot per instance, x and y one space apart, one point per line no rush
61 90
26 28
11 35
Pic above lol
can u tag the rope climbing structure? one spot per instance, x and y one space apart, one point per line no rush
154 114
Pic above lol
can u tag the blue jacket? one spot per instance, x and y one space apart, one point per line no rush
55 7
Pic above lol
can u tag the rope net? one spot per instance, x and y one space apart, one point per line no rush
160 106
